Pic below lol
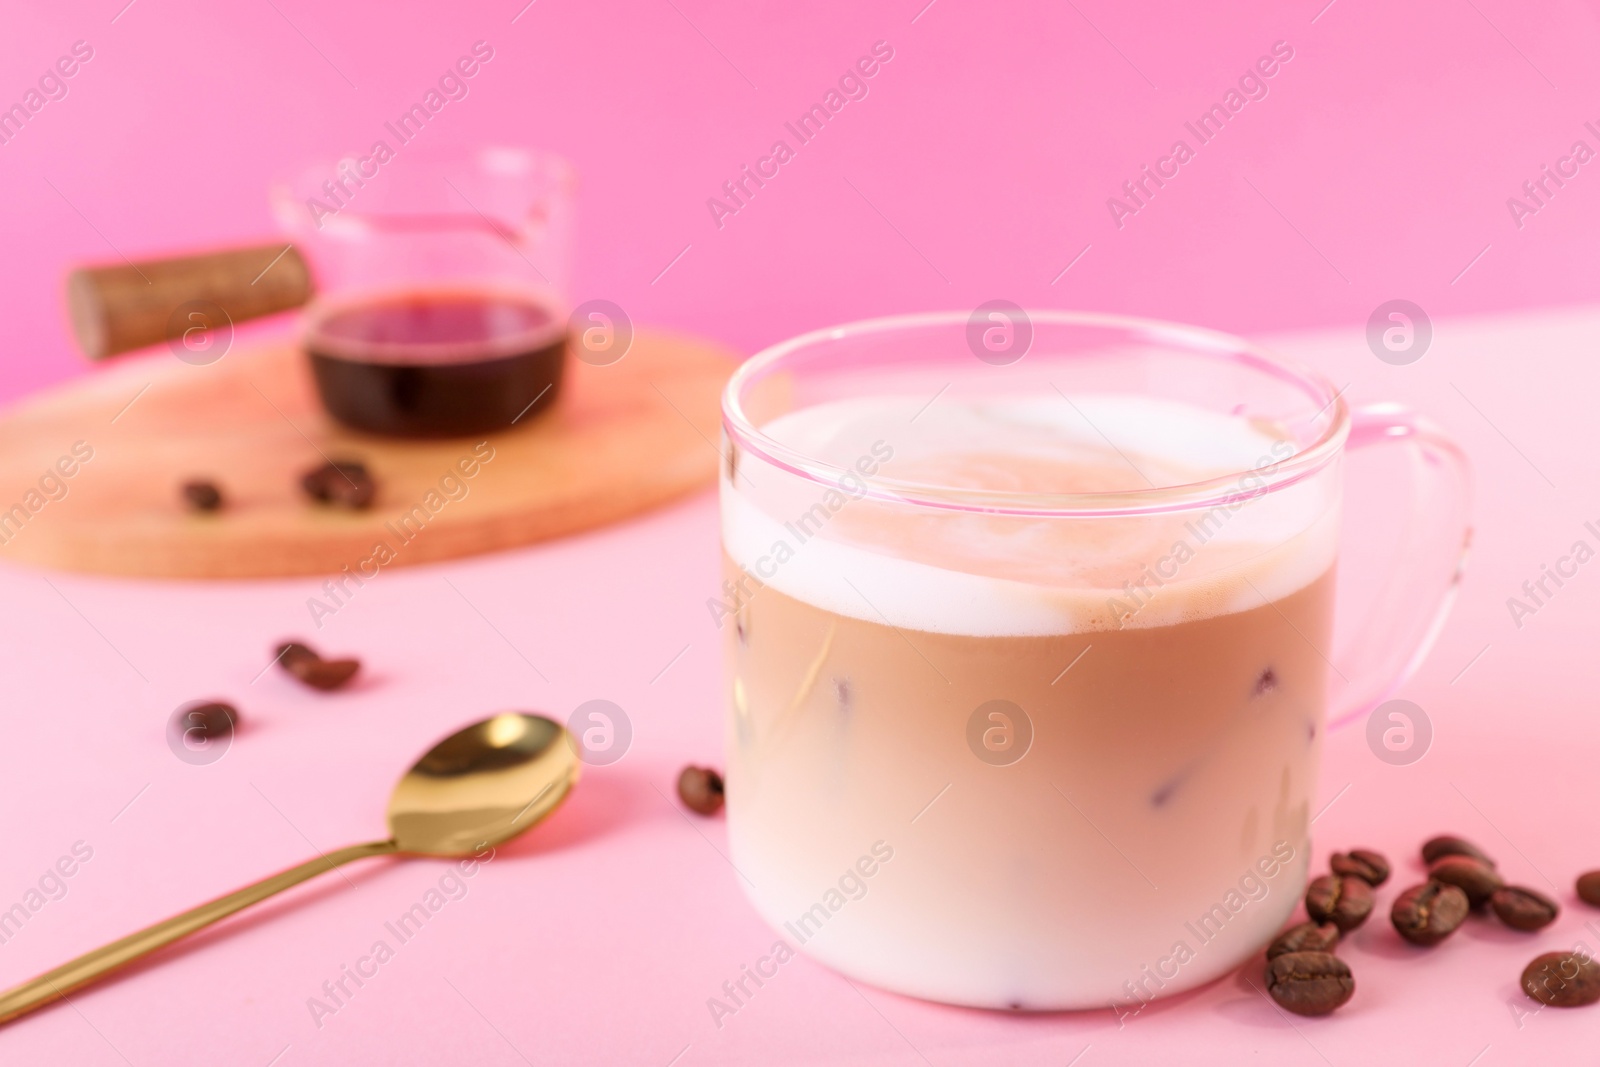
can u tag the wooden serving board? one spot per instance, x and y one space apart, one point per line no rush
620 439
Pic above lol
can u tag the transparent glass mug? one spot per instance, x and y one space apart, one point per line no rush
1027 626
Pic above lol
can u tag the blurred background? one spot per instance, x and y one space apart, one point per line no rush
978 166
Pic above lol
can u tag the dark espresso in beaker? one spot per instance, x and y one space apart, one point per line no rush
437 363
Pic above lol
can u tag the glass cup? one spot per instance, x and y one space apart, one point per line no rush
1028 638
441 281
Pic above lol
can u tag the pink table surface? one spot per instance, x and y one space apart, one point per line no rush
600 937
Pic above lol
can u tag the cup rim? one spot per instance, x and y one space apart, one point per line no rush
286 190
1228 489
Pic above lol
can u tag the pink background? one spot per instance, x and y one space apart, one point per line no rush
977 168
991 142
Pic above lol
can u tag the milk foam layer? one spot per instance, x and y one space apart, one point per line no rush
984 575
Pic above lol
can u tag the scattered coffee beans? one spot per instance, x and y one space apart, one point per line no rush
202 495
1363 863
1427 914
1523 909
344 483
1589 888
1305 977
1562 980
700 789
1345 902
1477 879
1309 983
1446 845
307 665
1307 937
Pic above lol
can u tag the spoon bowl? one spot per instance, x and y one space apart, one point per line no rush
482 786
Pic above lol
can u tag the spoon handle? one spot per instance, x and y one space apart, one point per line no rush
56 984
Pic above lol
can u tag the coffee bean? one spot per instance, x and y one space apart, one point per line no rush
1562 979
1363 863
202 495
1427 914
1447 845
1523 909
1345 902
1307 937
290 652
200 732
309 667
328 674
1475 878
345 483
1309 983
700 789
1589 888
209 719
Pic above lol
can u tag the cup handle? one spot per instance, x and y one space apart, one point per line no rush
1415 600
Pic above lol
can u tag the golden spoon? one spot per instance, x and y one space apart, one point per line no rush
480 786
